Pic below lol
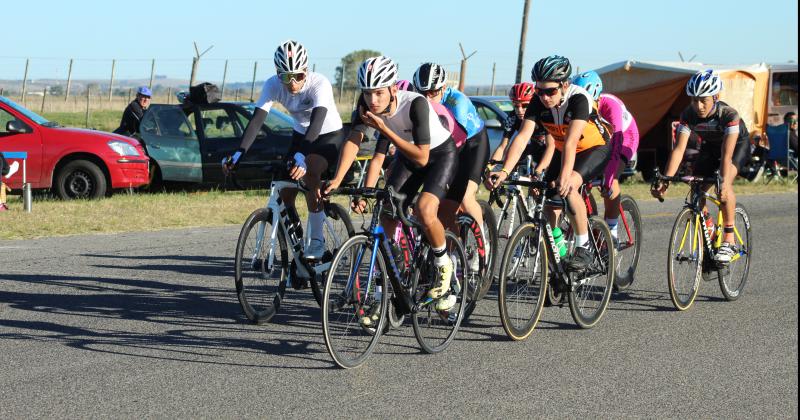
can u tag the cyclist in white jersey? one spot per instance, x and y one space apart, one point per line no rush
317 132
425 157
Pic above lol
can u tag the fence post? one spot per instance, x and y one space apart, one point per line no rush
111 83
341 84
129 95
152 72
25 81
494 69
69 80
224 76
253 85
169 95
44 97
87 106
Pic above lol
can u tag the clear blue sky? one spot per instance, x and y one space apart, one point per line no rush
591 33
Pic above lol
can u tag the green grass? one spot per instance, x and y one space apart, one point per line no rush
104 120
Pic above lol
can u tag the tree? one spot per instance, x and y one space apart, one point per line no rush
349 67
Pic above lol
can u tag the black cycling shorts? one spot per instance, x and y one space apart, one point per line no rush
434 178
326 145
472 159
708 160
589 163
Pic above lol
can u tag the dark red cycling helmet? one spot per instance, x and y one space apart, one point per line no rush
521 92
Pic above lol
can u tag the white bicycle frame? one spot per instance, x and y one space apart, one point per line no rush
280 219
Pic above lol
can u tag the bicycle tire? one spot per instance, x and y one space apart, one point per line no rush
490 223
342 308
524 236
685 227
425 316
579 295
732 291
333 240
472 237
626 274
261 301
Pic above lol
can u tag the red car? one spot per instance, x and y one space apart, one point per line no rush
72 162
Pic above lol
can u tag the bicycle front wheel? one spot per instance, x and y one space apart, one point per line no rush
435 329
336 229
522 295
590 293
260 267
733 277
685 264
629 242
353 288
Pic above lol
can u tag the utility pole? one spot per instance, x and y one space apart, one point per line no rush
196 61
462 77
494 71
522 36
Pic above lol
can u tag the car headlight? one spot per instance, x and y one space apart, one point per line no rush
122 148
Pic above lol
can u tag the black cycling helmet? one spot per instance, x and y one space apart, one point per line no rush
429 76
554 68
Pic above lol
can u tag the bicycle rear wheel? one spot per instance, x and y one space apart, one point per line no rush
336 229
472 238
435 329
590 293
629 242
733 277
685 264
260 267
348 295
490 230
522 295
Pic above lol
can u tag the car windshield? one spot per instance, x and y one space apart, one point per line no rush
505 105
38 119
276 120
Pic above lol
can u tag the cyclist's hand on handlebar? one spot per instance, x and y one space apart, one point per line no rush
496 179
359 205
327 188
297 166
658 189
230 163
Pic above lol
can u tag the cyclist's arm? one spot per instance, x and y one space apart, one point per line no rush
501 148
677 153
517 146
547 156
263 107
374 170
347 156
728 146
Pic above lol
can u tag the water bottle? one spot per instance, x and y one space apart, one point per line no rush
710 225
561 244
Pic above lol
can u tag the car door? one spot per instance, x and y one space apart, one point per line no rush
171 140
272 142
29 142
220 136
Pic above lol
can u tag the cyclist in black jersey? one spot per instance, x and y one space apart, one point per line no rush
521 95
576 145
426 156
724 145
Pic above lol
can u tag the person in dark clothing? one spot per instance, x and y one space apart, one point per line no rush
132 117
790 119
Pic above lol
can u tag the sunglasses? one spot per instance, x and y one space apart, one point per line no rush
287 78
545 91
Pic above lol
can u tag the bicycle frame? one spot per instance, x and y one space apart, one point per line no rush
586 191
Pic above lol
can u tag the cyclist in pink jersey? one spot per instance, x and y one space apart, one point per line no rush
382 147
624 141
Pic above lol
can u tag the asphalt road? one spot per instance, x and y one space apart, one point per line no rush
147 325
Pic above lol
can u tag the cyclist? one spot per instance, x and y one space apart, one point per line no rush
430 79
520 95
725 146
567 112
382 148
624 142
426 157
317 135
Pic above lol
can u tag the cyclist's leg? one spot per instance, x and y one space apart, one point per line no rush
589 164
478 157
611 203
321 155
455 193
741 155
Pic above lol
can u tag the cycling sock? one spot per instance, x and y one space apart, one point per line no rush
581 240
315 221
440 257
612 226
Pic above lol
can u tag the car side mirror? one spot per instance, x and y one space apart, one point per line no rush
16 126
493 123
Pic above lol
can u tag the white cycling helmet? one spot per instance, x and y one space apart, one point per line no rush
429 76
377 72
704 83
291 57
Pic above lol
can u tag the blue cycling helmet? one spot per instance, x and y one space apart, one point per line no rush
144 91
591 82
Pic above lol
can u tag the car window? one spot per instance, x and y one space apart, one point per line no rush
217 124
486 113
5 117
244 118
505 105
276 121
171 121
